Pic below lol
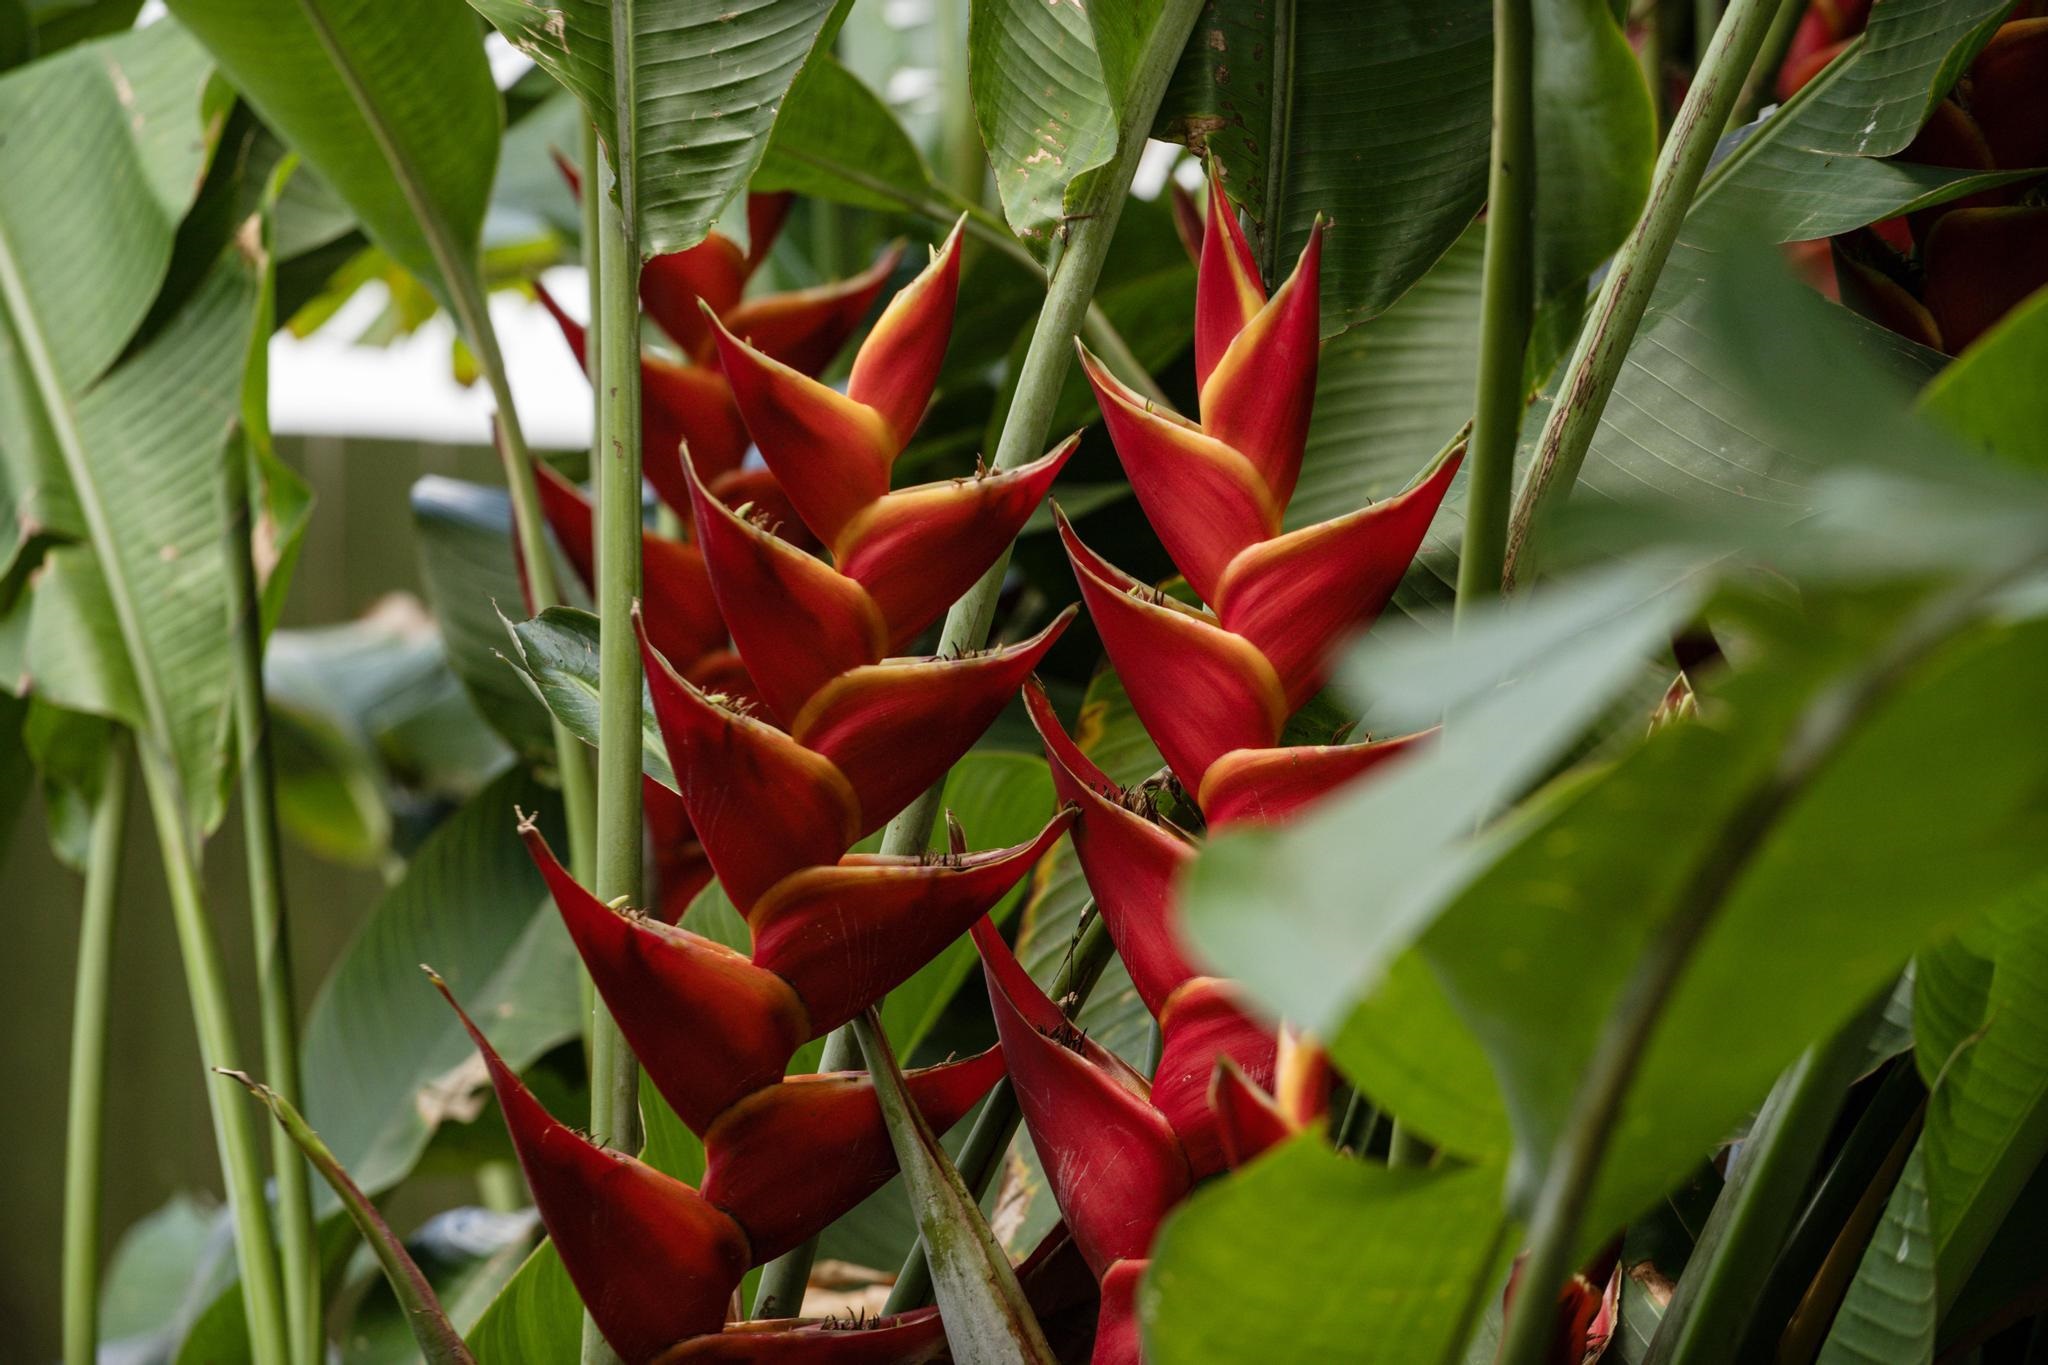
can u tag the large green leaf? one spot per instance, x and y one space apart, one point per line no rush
709 77
1991 395
1857 858
1596 135
114 141
392 103
837 140
134 628
557 651
1888 1316
1043 107
1911 54
386 1062
1374 115
1310 1255
537 1315
1981 1041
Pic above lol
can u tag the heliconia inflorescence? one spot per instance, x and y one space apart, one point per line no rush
775 801
1213 686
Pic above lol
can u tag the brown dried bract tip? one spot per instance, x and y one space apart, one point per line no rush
528 820
956 834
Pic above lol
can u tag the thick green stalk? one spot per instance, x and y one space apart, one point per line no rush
1732 1260
241 1163
1070 285
276 999
234 1132
614 1073
1507 301
1826 724
1618 310
82 1135
981 1156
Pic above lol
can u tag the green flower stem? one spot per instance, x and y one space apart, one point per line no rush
298 1238
1618 310
1507 302
1070 284
1825 725
212 1017
82 1139
996 1124
1740 1243
614 1072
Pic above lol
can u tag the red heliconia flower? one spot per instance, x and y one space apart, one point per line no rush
1215 686
690 405
1588 1308
1116 1162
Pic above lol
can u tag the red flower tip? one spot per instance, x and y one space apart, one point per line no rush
1228 291
1295 596
1258 395
798 624
892 729
653 1261
1199 690
831 453
753 1150
708 1024
1206 500
1129 860
843 936
1112 1160
1264 786
1187 220
763 804
919 549
1202 1025
805 328
1248 1120
906 1339
713 273
898 364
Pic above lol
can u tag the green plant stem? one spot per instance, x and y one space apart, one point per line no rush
298 1237
1824 726
614 1073
1070 284
1618 310
963 164
1405 1150
82 1137
212 1018
1507 289
1650 55
1761 86
1738 1246
982 1154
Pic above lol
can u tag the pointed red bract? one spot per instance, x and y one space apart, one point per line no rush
791 1159
1199 690
898 364
652 1260
1130 862
1296 596
919 549
680 868
1118 1339
1247 1120
1228 291
797 623
708 1025
1112 1161
714 271
845 936
806 328
831 453
1257 397
1199 1027
763 805
1264 786
1206 501
894 728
